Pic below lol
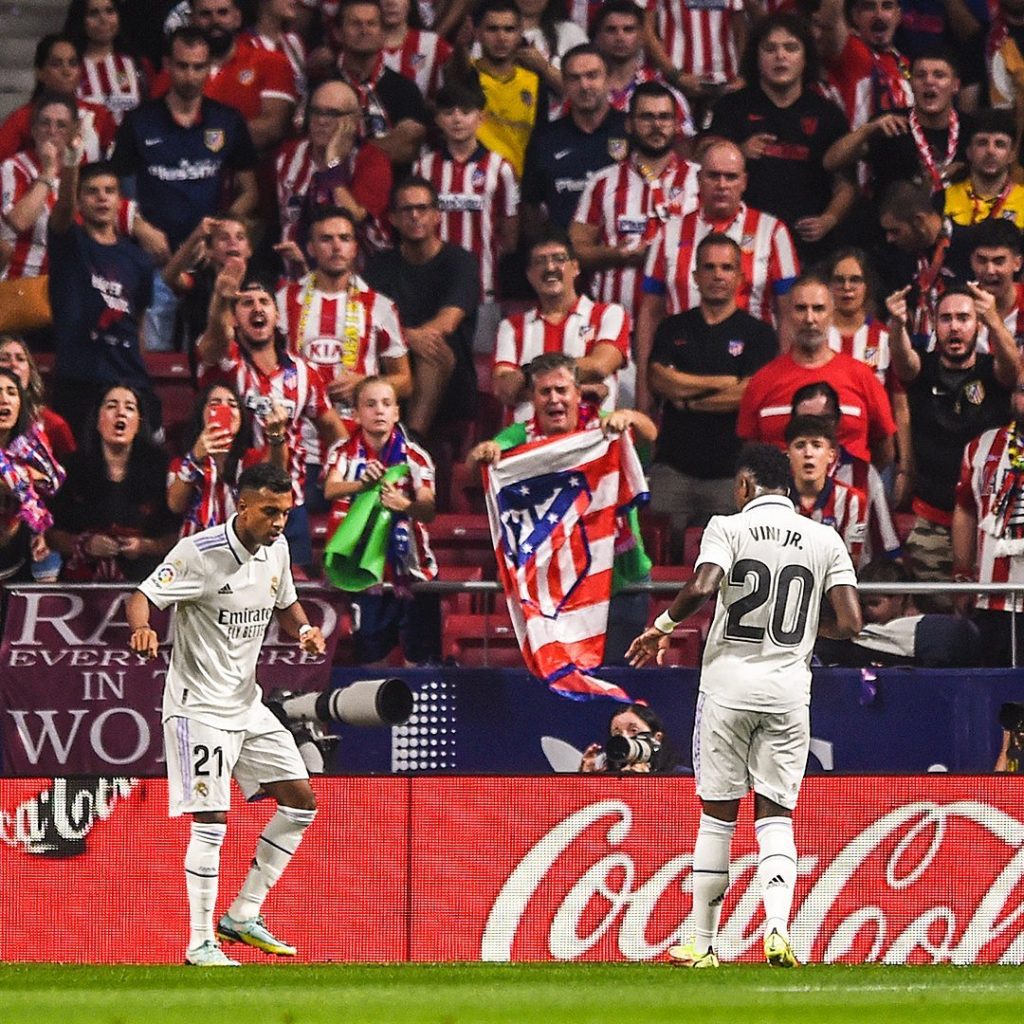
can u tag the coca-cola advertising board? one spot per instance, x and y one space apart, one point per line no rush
75 700
891 869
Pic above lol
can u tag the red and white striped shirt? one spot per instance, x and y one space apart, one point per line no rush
421 58
29 256
524 336
767 258
113 82
1013 320
292 46
983 473
349 458
295 167
698 36
868 344
475 197
846 509
294 385
881 538
629 209
870 83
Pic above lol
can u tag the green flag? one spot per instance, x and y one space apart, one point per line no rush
354 557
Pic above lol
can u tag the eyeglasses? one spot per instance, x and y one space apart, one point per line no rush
558 258
850 279
331 112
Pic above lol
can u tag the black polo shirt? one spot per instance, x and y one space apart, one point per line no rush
948 409
704 444
561 158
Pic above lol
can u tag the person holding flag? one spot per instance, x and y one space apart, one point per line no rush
545 503
381 483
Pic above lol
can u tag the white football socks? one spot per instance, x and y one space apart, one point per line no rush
202 872
710 877
776 871
274 850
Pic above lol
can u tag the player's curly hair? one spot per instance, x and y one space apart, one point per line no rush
766 464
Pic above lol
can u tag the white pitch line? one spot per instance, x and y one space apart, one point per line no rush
958 989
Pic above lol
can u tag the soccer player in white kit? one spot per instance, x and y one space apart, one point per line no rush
227 583
770 569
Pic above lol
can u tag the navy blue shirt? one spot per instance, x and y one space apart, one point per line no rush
561 158
181 171
98 294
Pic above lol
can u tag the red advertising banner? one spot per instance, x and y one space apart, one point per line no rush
892 869
75 700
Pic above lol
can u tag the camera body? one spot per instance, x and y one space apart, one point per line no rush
626 751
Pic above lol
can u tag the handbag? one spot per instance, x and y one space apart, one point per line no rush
25 305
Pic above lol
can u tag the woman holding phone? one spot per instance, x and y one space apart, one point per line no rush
201 485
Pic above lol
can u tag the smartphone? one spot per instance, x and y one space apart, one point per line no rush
219 417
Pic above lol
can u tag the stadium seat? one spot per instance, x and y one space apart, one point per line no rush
463 540
467 490
691 544
684 648
481 641
463 602
656 530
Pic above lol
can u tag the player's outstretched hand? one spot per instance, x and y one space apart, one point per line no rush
143 641
650 644
312 641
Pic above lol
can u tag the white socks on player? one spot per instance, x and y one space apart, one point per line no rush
776 871
710 876
277 844
202 871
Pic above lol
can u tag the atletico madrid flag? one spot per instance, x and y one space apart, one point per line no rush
555 508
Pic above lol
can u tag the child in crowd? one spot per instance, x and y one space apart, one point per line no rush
377 443
811 446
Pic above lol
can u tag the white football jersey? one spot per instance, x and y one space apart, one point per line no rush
778 566
225 598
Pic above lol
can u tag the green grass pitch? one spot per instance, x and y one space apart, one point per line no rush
514 993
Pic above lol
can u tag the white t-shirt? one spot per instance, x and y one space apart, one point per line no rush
778 566
225 598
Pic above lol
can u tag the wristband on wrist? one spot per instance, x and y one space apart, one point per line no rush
48 182
275 440
304 629
963 574
664 623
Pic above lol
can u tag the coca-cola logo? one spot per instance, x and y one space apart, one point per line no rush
925 882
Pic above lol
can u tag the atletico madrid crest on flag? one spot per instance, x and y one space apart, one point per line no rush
556 509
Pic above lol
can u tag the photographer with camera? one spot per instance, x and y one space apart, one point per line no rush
636 743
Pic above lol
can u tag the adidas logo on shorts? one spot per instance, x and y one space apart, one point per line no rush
226 589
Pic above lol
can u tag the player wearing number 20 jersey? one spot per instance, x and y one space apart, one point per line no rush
777 567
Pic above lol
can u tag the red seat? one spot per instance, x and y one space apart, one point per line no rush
656 531
462 602
463 540
481 641
684 648
691 544
467 490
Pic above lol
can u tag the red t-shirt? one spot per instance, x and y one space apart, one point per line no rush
16 131
244 82
866 413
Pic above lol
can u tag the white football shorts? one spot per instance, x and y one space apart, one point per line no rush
738 751
201 760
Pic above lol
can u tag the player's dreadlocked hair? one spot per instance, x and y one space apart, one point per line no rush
766 464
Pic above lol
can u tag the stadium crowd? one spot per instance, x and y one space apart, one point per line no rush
358 223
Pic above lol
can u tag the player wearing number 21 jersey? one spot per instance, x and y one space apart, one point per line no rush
770 569
226 585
